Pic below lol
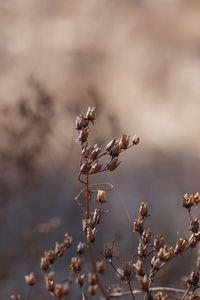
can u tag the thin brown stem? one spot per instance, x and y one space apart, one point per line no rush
90 250
131 290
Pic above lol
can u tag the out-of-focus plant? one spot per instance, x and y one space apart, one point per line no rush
137 274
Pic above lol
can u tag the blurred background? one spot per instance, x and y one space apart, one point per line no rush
138 62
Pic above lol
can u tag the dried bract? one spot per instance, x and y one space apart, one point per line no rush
113 164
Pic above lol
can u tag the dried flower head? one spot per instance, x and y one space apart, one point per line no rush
30 279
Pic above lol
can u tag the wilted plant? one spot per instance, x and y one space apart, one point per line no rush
153 253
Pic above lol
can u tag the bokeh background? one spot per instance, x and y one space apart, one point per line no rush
138 62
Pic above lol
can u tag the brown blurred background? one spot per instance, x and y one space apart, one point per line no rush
138 62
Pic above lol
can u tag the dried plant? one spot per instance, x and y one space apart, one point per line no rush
138 273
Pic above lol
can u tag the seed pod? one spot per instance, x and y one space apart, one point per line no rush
45 264
194 225
81 123
92 289
142 250
95 153
85 167
91 235
193 278
90 114
139 267
101 196
124 142
30 279
113 164
59 249
50 255
68 240
144 282
101 266
181 245
61 290
96 168
127 269
188 201
197 198
110 144
108 253
80 248
143 210
156 263
80 279
160 296
136 140
83 135
138 224
115 150
76 264
158 242
146 236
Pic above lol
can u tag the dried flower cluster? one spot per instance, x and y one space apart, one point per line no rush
137 273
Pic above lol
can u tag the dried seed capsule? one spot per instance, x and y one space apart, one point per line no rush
68 240
92 279
136 140
30 279
124 142
50 255
181 245
165 253
139 267
92 289
76 264
128 269
91 235
101 267
90 114
113 164
160 296
144 282
143 210
95 153
80 248
59 249
81 123
61 290
142 250
96 168
45 264
197 198
194 225
146 236
110 144
83 135
115 150
108 253
101 196
193 279
188 201
158 242
138 224
85 167
156 263
80 279
51 276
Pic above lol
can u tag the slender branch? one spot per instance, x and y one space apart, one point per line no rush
90 252
131 290
152 290
185 294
